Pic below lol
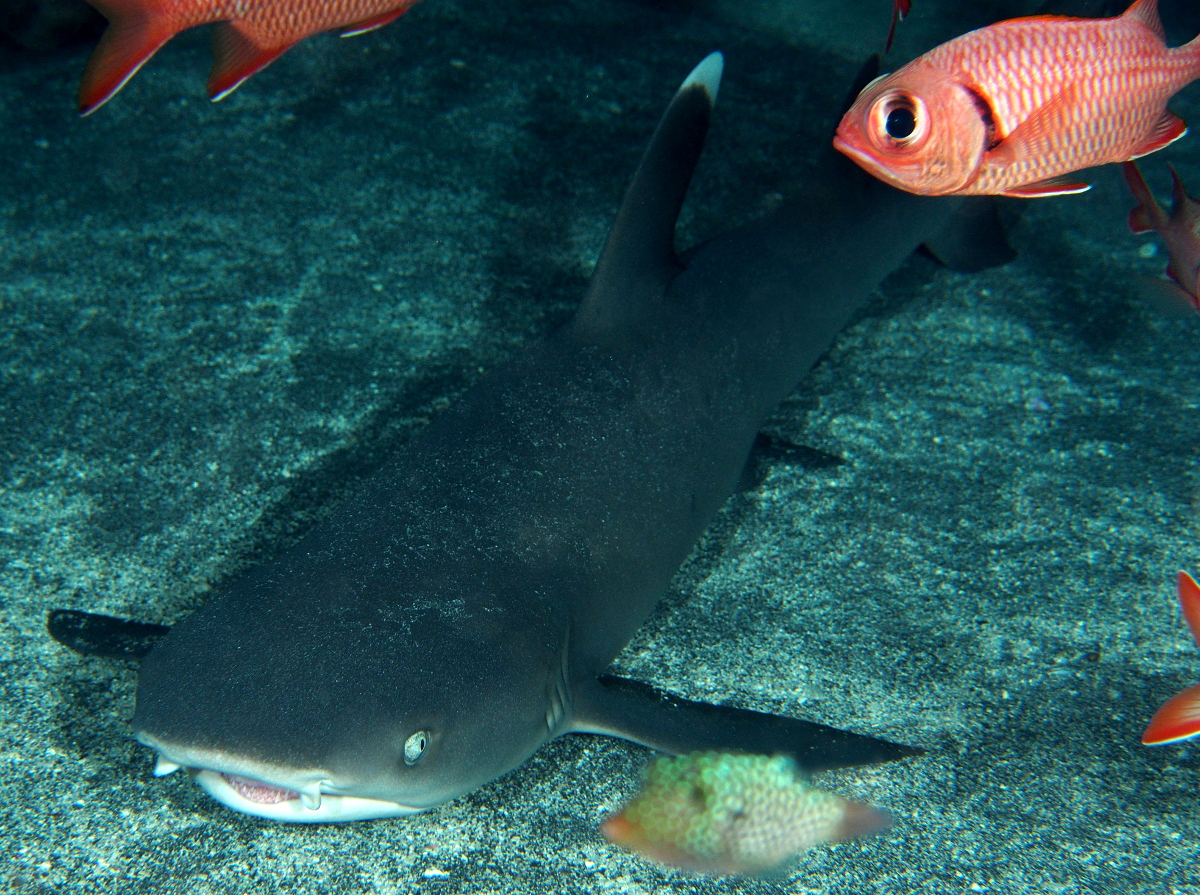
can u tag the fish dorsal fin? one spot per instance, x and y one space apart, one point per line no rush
1146 12
639 261
1166 130
237 54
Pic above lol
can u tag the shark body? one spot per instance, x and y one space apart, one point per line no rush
460 612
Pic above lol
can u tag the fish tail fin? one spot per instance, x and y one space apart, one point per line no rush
861 819
1148 215
1189 602
639 258
1192 48
136 29
1179 717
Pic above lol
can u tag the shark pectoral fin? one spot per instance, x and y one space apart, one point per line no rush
102 635
635 711
973 238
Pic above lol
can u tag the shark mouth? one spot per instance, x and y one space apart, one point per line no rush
259 792
302 796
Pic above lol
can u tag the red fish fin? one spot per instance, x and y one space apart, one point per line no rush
1166 131
1149 214
1189 601
1167 297
377 22
1038 137
1178 719
1055 186
1146 12
136 29
236 56
1179 196
900 10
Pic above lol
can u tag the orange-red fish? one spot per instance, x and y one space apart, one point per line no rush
1180 231
1179 717
1011 108
249 35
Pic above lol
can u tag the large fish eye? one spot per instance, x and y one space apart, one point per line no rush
899 120
414 746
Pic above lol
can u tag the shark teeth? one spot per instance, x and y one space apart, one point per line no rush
164 766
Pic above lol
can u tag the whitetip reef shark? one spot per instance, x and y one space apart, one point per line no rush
460 612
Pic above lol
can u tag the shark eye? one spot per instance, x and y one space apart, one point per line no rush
414 746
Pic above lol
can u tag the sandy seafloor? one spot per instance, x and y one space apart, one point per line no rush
216 319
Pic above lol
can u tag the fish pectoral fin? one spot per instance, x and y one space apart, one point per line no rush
1055 186
237 54
136 30
1168 298
634 711
1166 131
1037 137
377 21
973 238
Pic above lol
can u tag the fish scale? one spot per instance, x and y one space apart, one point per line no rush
1061 94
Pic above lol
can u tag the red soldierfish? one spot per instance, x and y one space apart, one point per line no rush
249 35
1009 109
1179 717
1180 231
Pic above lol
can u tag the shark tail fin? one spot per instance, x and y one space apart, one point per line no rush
635 711
639 256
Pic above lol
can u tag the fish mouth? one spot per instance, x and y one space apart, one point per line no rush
862 157
289 795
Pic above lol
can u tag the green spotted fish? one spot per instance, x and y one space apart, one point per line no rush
728 813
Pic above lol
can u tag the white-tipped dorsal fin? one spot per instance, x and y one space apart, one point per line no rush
638 261
707 74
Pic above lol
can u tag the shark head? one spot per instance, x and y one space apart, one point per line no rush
286 705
